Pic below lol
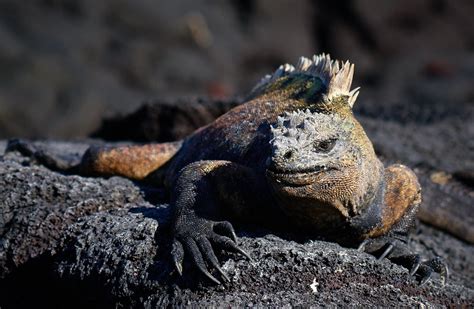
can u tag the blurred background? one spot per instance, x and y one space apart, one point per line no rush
66 64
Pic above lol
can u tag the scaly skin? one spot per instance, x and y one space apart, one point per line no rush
294 152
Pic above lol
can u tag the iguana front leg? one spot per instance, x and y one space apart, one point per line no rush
206 191
402 197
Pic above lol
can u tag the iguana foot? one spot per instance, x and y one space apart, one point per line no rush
195 237
40 155
437 265
397 252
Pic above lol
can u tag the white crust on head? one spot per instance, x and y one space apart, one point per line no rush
335 74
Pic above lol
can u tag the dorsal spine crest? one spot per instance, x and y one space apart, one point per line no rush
335 75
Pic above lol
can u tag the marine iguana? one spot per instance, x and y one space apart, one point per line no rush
292 154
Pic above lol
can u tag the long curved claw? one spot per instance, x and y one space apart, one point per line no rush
177 253
226 228
198 260
228 244
434 265
208 275
363 244
444 274
387 251
222 273
410 261
242 252
206 249
426 273
416 265
438 265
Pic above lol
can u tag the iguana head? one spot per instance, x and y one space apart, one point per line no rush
322 165
322 168
310 143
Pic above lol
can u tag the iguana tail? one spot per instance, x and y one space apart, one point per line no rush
131 161
134 162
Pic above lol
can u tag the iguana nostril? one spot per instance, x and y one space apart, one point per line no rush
288 154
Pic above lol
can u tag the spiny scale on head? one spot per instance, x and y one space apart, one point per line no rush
307 125
336 76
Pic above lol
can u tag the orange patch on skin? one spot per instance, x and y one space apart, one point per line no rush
135 162
402 192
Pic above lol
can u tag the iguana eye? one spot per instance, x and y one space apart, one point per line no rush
325 146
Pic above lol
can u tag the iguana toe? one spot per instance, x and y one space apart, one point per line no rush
177 253
398 253
388 249
225 228
196 255
229 244
208 252
416 262
196 240
437 265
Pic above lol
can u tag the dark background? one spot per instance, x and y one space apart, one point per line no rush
66 64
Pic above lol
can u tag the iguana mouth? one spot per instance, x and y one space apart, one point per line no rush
298 178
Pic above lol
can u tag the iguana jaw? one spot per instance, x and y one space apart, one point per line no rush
307 197
292 178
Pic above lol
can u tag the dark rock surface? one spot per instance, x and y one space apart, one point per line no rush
74 241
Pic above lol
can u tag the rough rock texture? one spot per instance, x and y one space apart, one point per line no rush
73 241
